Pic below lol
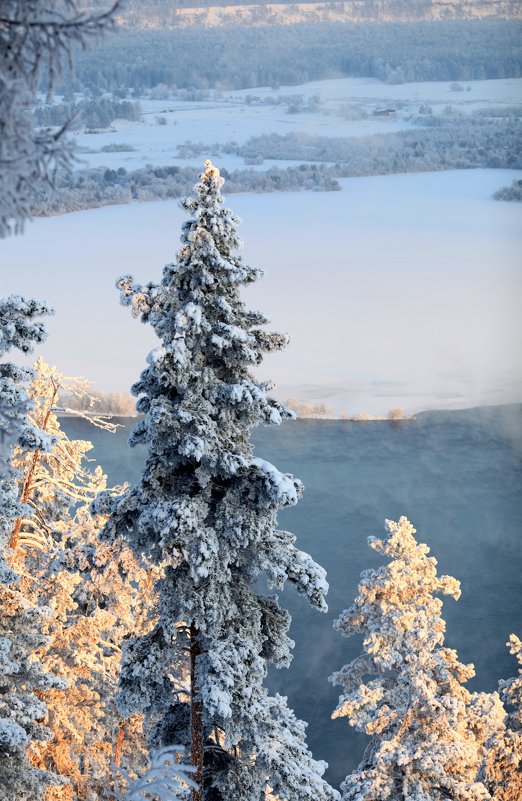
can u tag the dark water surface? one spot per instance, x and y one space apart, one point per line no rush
456 475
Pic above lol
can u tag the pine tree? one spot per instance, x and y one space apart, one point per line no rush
205 508
502 770
21 674
99 596
428 732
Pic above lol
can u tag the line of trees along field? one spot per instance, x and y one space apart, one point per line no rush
243 57
456 143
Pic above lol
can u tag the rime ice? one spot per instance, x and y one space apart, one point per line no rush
207 508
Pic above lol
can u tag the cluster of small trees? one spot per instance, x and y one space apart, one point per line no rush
447 143
513 192
133 617
98 113
85 189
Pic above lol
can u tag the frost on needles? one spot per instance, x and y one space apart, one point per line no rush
430 735
22 677
206 509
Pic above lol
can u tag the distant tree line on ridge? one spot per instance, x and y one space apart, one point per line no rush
319 410
242 57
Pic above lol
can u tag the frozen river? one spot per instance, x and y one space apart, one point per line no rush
399 290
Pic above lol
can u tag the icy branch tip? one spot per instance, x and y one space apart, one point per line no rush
210 170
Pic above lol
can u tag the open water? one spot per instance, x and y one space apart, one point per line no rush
456 475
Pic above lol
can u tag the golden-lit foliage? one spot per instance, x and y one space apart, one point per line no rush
98 595
503 760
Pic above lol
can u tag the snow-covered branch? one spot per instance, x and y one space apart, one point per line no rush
36 40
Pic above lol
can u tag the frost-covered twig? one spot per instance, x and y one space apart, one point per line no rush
102 421
36 39
165 779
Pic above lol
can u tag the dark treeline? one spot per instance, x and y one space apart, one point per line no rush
97 113
462 144
243 57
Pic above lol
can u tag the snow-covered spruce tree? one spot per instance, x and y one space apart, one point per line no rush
502 770
428 732
36 37
21 674
19 327
205 508
99 597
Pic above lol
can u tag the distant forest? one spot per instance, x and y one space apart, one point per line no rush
243 57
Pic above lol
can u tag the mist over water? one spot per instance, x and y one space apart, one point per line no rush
455 475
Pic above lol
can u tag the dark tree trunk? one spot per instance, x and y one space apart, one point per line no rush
196 716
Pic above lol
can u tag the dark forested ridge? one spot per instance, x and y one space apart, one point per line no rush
243 57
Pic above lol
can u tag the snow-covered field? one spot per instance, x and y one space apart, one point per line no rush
230 117
399 290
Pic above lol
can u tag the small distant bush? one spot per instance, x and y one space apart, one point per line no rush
513 192
115 147
254 160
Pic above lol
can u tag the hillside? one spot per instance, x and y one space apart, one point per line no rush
164 13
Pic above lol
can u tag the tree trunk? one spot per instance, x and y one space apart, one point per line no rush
119 744
29 480
196 716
